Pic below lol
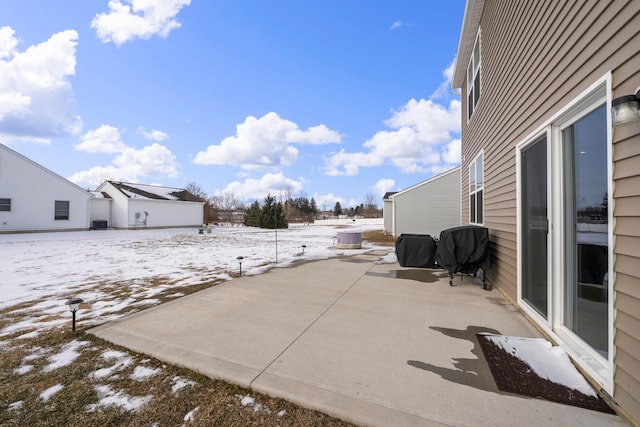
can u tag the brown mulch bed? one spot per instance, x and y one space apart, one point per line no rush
515 376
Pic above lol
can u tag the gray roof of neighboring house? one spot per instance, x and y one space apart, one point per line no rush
154 192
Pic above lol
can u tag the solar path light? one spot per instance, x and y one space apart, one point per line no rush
74 305
303 248
240 258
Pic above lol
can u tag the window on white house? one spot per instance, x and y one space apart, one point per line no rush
476 187
62 209
473 78
5 205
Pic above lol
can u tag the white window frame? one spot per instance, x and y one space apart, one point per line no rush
476 187
473 77
599 368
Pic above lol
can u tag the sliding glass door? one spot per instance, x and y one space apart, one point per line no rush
586 240
534 225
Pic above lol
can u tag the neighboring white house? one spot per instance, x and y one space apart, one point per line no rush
425 208
151 206
32 198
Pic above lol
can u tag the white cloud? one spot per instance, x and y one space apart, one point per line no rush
396 24
267 142
445 87
105 139
421 139
257 189
153 135
131 19
384 185
36 99
452 152
130 164
422 129
327 201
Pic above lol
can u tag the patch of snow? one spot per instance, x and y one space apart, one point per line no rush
28 335
390 258
66 357
191 415
247 400
122 361
23 369
546 360
282 413
141 373
16 405
251 402
46 395
108 397
146 302
178 383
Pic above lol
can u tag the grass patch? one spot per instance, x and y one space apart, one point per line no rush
78 402
378 237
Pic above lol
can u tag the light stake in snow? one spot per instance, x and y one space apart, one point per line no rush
240 258
74 305
303 248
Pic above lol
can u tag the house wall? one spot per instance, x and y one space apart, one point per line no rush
528 76
33 191
167 213
387 214
101 210
429 207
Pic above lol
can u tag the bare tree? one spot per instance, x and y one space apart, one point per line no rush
226 206
195 189
370 206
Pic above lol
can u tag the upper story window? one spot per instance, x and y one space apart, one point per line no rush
473 78
5 205
62 209
476 190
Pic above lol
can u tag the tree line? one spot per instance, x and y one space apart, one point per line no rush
226 208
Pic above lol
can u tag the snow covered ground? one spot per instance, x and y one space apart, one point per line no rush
50 268
116 272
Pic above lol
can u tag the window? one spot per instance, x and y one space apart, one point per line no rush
62 209
5 205
476 187
473 78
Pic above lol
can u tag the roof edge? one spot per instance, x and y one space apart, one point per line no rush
470 23
426 181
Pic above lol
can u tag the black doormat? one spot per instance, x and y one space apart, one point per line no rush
513 375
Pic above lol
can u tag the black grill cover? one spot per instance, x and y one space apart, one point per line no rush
463 249
416 250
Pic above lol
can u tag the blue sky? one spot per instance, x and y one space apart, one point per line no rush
329 99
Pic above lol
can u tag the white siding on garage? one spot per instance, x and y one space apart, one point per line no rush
33 191
428 207
166 213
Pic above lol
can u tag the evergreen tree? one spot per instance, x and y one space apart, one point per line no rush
252 215
337 210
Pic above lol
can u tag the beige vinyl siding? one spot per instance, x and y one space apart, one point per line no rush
536 58
626 175
429 207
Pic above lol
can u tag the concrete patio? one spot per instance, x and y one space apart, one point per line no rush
374 344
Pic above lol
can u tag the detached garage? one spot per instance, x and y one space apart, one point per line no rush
425 208
151 206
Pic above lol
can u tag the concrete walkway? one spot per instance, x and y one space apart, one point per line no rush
370 343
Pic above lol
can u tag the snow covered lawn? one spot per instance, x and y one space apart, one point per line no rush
50 375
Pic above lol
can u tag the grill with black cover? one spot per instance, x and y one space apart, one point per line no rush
464 250
416 250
